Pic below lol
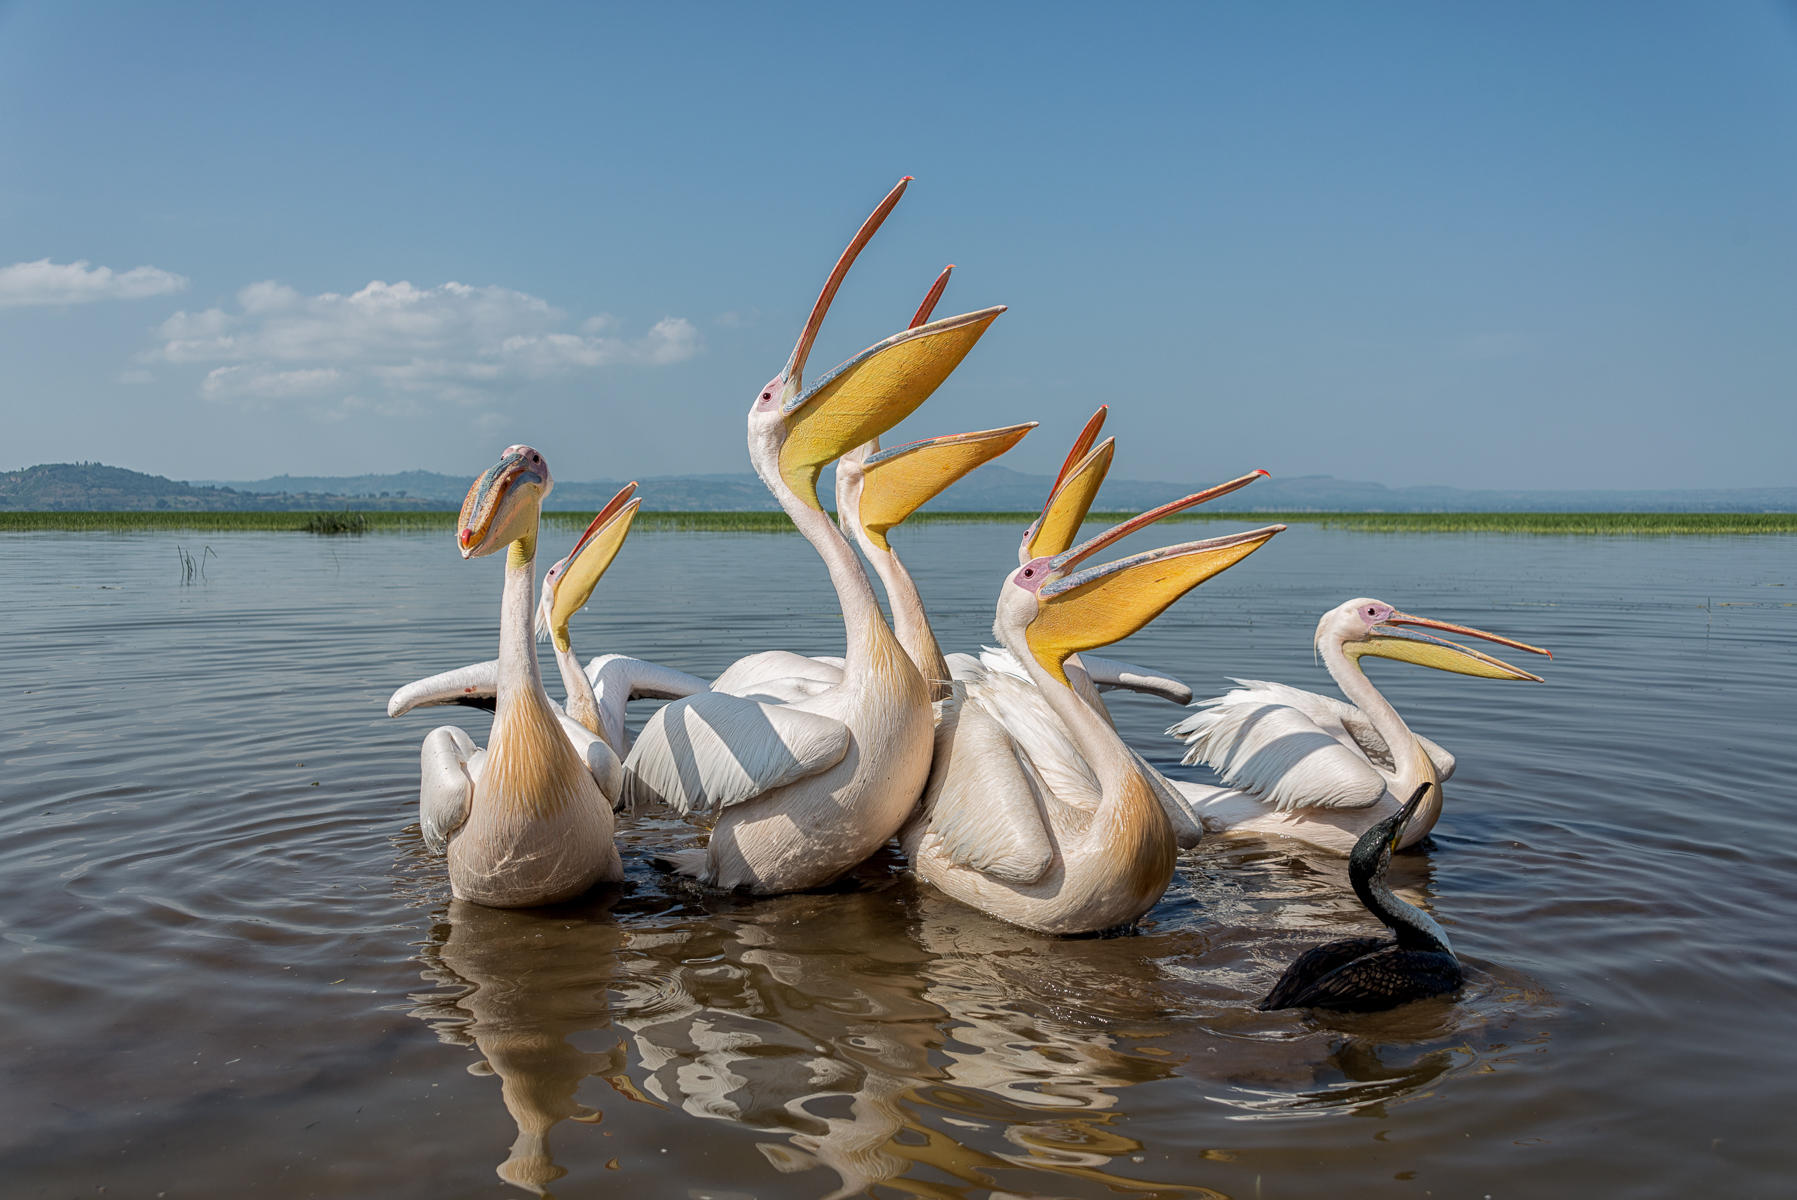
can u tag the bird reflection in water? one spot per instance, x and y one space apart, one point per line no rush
523 982
815 1017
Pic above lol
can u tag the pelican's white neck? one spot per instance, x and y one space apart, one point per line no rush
1409 760
861 615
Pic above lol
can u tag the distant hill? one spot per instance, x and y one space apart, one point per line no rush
95 487
996 488
993 488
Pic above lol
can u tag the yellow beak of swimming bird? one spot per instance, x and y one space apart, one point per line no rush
874 390
899 481
1385 640
570 582
1105 604
1070 499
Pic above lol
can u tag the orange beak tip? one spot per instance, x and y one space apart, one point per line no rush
1263 471
907 179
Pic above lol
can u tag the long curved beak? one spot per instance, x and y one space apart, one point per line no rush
929 301
1442 654
872 392
901 480
588 561
801 350
1070 498
1105 604
1068 504
1069 559
485 496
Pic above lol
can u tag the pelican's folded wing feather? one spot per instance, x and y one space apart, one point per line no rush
1346 723
1112 673
475 685
709 751
744 676
1258 742
982 806
448 765
618 679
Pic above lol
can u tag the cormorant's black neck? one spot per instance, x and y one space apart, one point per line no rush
1415 928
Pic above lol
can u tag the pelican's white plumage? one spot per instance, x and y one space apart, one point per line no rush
789 810
1295 749
527 821
1311 767
1076 840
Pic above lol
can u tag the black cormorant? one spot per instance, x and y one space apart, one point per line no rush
1367 974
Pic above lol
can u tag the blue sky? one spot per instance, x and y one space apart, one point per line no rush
1516 245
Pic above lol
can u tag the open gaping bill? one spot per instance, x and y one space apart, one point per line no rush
1093 850
525 821
597 695
1310 767
1367 974
876 490
1009 694
802 791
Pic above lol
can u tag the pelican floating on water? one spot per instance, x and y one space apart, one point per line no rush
1367 974
525 821
1089 850
802 791
1309 767
1010 695
597 695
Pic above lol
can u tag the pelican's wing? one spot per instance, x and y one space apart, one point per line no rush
600 759
1109 673
448 765
1259 742
711 750
1188 830
618 679
1007 695
982 807
474 685
1348 725
746 674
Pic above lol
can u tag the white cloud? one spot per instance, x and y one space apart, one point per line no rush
453 342
259 384
46 283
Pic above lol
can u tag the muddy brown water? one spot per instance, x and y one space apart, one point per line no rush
231 968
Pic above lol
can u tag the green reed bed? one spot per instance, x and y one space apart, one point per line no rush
387 521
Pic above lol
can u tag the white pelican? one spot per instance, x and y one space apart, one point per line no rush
597 695
1009 694
802 791
876 490
1091 850
1310 767
526 820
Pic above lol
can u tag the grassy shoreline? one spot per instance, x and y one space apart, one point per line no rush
776 522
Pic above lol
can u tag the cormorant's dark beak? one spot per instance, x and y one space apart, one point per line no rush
1409 810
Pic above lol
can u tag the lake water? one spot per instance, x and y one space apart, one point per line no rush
231 968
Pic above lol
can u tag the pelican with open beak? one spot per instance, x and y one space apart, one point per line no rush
597 694
1309 767
802 791
526 821
1009 694
993 833
888 486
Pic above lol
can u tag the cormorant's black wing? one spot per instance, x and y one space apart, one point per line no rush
1384 980
1313 965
